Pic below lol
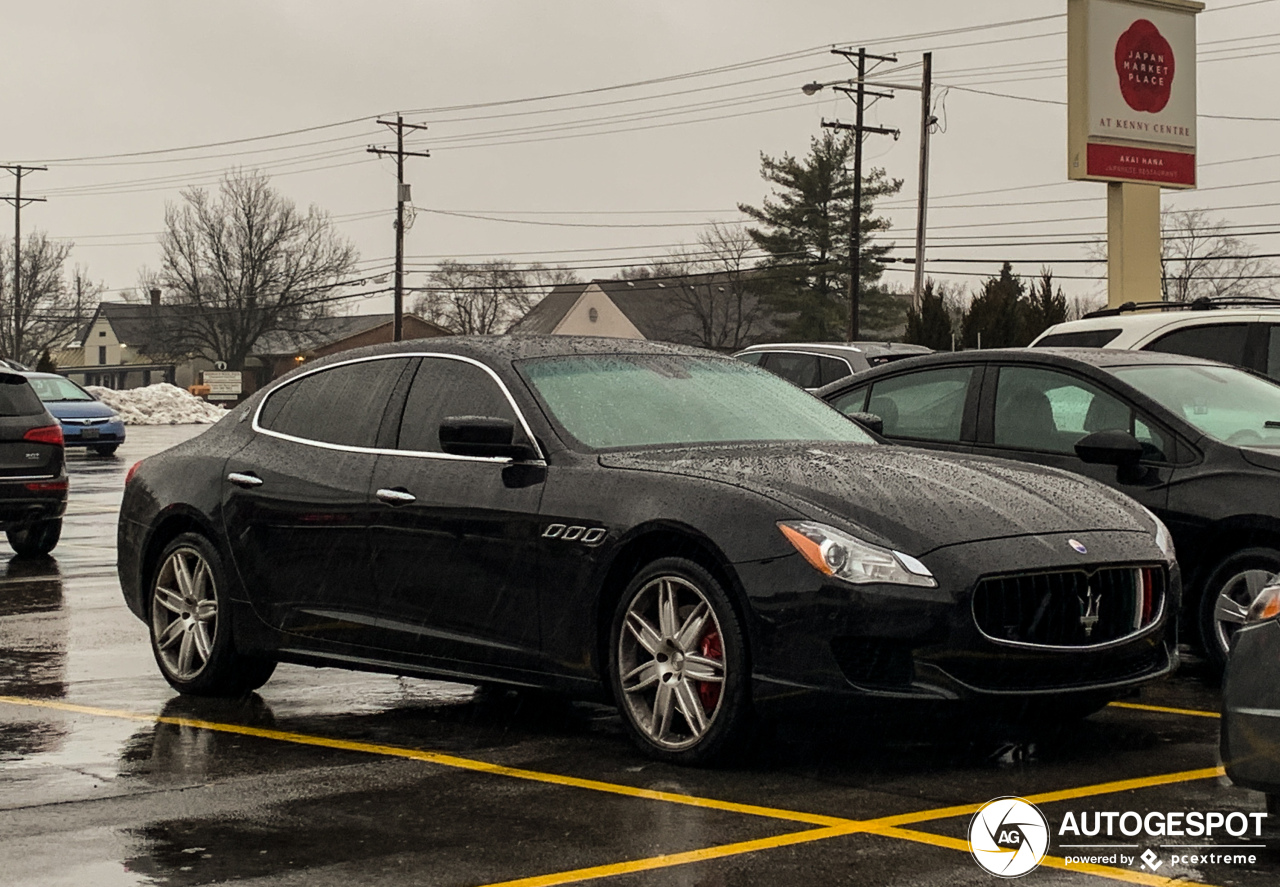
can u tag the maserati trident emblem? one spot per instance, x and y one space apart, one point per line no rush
1077 546
1089 602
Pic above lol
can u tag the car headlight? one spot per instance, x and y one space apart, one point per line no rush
836 553
1266 605
114 417
1163 540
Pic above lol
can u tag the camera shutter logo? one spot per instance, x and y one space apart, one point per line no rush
1008 837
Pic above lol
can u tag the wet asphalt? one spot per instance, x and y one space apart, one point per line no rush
328 777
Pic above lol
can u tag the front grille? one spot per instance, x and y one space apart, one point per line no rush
1072 608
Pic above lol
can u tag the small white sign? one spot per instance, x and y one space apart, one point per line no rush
223 385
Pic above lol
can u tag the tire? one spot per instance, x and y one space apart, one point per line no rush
106 449
35 539
191 627
1226 596
674 713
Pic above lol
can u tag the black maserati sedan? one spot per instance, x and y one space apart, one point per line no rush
1196 441
33 473
691 537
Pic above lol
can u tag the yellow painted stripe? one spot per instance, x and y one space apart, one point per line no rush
632 866
1163 709
441 759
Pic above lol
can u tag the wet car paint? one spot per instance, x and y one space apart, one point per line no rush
122 800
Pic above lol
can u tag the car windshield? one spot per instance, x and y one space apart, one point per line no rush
57 390
1226 403
632 400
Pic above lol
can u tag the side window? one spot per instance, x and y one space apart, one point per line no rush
444 388
1049 411
798 369
830 369
854 401
1080 339
928 405
1221 341
1273 351
752 357
342 405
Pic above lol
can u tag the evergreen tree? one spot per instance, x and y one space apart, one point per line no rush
803 227
998 313
931 325
1046 306
46 364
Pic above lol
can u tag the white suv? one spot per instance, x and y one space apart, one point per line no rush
1237 332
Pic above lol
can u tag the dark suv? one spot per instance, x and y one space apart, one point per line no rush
33 473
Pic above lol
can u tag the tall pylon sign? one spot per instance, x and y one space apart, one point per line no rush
1131 122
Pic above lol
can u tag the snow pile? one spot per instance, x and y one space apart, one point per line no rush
161 404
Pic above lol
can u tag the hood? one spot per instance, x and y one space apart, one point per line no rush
78 409
913 500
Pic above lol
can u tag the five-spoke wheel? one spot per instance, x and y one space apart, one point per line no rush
1230 589
678 662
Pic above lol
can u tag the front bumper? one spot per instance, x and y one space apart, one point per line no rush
1251 708
106 434
813 636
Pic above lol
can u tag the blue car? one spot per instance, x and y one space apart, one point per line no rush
86 421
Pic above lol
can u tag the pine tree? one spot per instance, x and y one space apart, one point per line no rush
931 325
804 229
998 313
1045 306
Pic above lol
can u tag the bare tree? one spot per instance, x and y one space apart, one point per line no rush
48 314
1199 258
711 287
244 264
482 298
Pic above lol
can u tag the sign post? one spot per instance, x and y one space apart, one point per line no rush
1131 122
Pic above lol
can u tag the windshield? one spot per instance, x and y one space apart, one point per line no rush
55 390
631 400
1226 403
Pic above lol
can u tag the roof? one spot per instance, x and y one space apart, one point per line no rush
1147 323
134 323
318 332
545 316
1101 358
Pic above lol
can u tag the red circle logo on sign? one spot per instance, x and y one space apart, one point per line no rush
1144 61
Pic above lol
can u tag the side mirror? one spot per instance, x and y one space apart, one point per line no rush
1110 448
869 421
482 436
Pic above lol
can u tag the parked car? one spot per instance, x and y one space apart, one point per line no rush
1251 701
1243 332
814 364
1196 441
33 475
685 534
86 421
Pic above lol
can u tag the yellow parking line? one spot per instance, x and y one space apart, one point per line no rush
673 859
441 759
1164 709
1055 862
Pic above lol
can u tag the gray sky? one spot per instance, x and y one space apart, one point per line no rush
601 178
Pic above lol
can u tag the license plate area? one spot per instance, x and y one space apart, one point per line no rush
88 434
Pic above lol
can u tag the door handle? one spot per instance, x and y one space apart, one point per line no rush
397 496
246 479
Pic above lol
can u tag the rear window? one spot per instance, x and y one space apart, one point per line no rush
17 398
1078 339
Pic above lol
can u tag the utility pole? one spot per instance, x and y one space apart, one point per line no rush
402 196
18 202
859 94
922 204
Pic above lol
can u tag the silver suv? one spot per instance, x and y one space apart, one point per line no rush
1244 332
814 364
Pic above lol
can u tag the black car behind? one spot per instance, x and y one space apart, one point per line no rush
33 475
694 538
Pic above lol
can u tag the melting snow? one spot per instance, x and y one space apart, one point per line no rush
161 404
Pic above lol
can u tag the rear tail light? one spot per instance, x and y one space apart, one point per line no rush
47 486
132 471
46 434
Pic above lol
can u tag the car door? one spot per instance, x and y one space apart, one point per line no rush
454 540
297 502
1037 414
932 408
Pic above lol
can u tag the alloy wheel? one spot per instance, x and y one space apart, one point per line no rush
671 663
1233 601
184 613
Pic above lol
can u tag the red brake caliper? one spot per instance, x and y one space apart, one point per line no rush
708 691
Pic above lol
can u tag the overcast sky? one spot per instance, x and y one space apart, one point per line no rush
663 110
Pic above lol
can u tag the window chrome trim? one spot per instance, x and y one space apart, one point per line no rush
382 451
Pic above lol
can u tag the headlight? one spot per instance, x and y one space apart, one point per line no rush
1163 540
1266 605
114 417
836 553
